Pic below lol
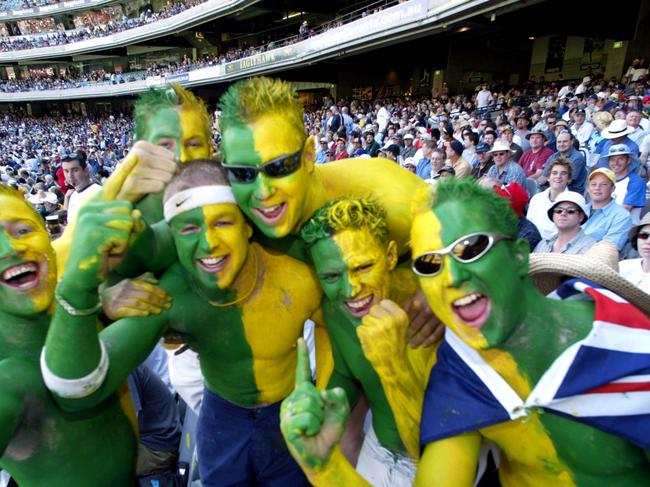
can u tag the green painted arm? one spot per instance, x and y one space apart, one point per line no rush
11 401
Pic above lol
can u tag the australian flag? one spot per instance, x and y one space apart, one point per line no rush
602 380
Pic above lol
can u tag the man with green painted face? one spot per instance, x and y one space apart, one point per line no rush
238 305
355 262
40 443
511 354
270 164
270 161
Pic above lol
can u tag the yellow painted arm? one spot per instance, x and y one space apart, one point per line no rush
450 462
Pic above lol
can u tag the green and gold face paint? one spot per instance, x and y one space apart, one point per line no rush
27 262
210 234
354 269
274 204
181 132
478 300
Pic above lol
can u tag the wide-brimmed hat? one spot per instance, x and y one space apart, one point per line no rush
500 146
536 132
599 265
570 197
618 128
619 150
634 231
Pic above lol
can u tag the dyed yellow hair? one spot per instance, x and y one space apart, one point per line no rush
346 213
249 99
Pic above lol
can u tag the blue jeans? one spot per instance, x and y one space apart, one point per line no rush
240 446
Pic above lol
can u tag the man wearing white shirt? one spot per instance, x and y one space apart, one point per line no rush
581 129
77 175
559 179
383 117
633 119
484 97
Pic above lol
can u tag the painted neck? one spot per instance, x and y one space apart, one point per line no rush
249 277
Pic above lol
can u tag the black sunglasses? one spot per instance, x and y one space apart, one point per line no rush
276 168
569 211
70 157
465 250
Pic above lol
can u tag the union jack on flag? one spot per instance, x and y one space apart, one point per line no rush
602 380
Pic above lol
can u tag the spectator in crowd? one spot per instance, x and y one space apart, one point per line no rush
446 172
490 137
533 160
637 271
77 175
409 149
483 160
630 187
470 141
568 213
484 97
321 152
566 148
549 129
615 134
633 119
356 149
601 121
390 151
423 166
438 158
522 122
454 151
382 116
505 169
371 146
607 219
559 179
341 152
507 135
581 129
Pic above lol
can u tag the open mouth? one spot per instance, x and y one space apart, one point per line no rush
472 309
22 277
361 306
271 214
213 264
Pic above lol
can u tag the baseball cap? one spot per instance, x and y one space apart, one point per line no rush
447 169
645 100
408 136
608 173
507 127
482 147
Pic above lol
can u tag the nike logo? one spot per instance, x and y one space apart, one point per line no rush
179 203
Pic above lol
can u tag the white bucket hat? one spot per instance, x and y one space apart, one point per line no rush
618 128
570 197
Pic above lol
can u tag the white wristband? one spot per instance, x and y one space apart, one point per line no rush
76 388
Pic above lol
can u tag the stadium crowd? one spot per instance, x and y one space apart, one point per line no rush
534 142
100 30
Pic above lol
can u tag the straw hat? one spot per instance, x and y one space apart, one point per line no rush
599 265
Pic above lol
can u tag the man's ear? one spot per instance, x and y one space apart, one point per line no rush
309 153
391 254
521 250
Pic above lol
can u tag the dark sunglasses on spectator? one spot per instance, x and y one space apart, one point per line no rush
277 168
643 236
465 250
569 211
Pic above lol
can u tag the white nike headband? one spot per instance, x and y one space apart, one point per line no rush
197 197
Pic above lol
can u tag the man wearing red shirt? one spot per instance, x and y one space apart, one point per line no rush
533 160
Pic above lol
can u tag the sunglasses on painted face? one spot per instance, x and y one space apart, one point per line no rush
464 250
276 168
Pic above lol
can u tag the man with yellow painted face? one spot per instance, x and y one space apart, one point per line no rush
355 262
511 354
270 161
41 444
238 305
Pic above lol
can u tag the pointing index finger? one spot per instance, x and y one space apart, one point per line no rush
303 370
